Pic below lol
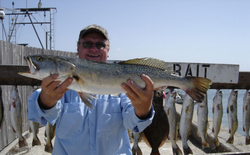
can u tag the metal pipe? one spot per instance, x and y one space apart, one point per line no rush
35 31
50 29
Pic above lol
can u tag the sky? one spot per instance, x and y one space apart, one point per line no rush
193 31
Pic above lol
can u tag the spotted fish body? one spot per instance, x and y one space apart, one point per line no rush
246 116
217 116
172 118
91 77
16 116
202 113
186 122
232 115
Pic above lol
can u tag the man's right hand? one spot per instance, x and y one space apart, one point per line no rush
51 92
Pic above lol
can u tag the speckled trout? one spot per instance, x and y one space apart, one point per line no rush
15 108
91 77
217 116
172 118
246 116
232 115
186 122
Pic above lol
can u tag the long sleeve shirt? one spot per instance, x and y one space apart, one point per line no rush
84 131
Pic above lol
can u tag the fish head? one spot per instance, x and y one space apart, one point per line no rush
218 97
42 66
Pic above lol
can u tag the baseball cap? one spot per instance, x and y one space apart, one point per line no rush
93 28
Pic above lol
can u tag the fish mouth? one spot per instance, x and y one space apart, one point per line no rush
32 66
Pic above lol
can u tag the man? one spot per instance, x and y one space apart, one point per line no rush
101 130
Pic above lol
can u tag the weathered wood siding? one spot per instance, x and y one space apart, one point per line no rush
12 54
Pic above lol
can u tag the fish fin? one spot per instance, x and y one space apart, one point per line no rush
230 140
187 150
151 62
48 147
216 142
207 128
85 98
136 151
164 139
146 140
36 142
231 108
22 142
247 141
199 88
204 145
177 150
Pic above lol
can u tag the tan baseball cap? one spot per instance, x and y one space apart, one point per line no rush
93 28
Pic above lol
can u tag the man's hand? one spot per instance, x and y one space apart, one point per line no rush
141 99
51 92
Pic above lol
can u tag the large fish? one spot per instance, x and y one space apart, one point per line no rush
202 113
136 149
186 122
172 118
91 77
246 116
16 115
1 109
50 134
157 132
34 127
217 116
232 115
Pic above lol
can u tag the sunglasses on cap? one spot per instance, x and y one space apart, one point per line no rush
89 44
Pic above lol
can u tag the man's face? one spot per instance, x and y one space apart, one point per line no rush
93 53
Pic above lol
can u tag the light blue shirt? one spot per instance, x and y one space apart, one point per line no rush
84 131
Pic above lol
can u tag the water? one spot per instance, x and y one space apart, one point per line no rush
225 95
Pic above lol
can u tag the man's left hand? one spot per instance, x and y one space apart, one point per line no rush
141 99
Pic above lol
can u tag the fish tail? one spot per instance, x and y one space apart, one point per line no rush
199 88
216 142
230 140
155 153
187 150
177 150
48 147
247 141
22 142
204 145
36 142
136 151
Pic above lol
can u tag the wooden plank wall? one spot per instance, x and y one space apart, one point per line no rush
12 54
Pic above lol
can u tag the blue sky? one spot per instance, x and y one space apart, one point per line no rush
198 31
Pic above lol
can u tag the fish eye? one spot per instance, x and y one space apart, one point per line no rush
39 59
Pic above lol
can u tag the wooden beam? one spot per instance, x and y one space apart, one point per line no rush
243 83
9 76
